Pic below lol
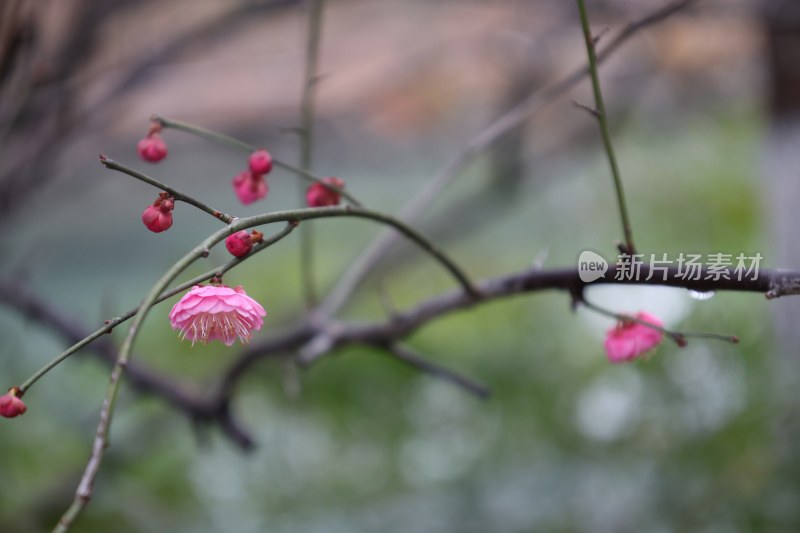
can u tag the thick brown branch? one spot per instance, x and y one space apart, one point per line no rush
772 283
314 343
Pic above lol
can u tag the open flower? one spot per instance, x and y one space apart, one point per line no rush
11 405
209 312
629 340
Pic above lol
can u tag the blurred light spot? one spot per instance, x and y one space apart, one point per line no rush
666 303
713 387
610 405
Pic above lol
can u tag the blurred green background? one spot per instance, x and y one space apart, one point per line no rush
692 439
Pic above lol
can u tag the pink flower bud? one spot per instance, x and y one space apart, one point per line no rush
11 405
239 244
629 340
158 217
152 148
317 195
250 187
260 162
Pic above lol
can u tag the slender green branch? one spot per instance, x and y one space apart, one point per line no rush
113 165
85 487
114 322
602 120
65 354
307 109
297 215
313 178
233 142
199 131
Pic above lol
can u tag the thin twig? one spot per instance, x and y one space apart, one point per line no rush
178 195
347 211
679 337
602 120
405 354
591 110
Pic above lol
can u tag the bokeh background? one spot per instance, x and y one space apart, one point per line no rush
702 106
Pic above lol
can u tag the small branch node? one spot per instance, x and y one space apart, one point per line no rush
591 110
599 36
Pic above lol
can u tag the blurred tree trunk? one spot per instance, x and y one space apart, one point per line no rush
781 167
508 165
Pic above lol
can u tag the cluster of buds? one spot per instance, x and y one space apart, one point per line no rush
250 185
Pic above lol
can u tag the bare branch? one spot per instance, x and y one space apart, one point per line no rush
402 324
412 358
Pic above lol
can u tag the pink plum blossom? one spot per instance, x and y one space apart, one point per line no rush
158 217
11 405
629 340
209 312
250 187
152 148
260 162
239 244
318 195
